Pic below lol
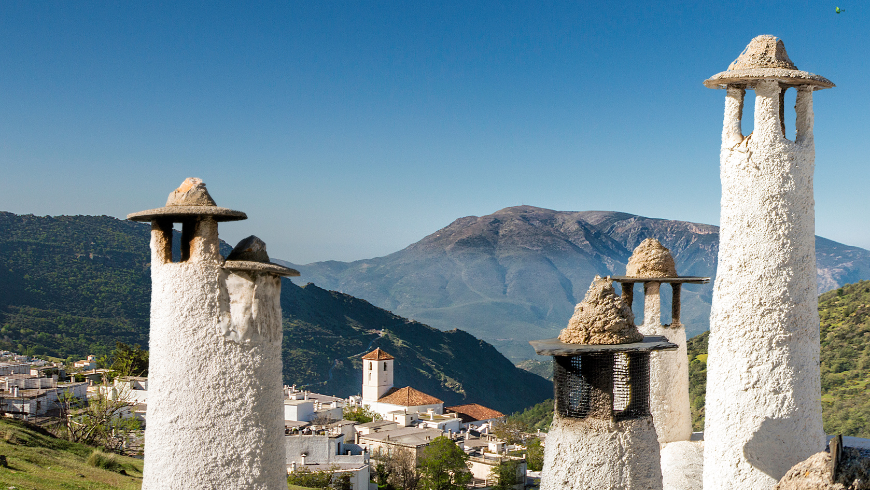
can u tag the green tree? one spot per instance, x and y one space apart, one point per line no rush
538 417
129 361
505 475
362 414
310 479
511 431
103 420
535 455
328 479
443 467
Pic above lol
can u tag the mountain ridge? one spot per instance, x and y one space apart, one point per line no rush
516 274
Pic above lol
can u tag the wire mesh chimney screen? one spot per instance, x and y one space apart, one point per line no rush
602 385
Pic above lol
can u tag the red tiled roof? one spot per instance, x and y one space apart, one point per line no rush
377 355
473 412
408 397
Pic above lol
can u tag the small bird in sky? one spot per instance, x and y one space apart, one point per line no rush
839 10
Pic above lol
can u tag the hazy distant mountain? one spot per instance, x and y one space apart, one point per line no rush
515 275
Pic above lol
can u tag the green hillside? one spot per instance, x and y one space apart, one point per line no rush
72 285
75 285
37 460
327 332
845 362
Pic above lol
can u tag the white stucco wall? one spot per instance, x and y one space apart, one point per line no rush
763 409
591 453
215 411
384 409
669 373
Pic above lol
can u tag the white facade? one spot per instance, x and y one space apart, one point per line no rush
326 452
481 468
384 409
130 389
13 368
36 402
763 409
377 379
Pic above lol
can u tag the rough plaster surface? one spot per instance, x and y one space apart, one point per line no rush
592 453
683 465
669 372
651 259
763 51
215 408
250 307
853 472
601 318
763 404
669 385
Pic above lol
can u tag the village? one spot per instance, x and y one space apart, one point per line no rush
317 437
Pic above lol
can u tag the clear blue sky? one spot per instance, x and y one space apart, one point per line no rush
348 130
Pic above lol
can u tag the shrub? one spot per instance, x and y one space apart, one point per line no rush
106 461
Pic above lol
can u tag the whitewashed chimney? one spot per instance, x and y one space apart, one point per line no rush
602 434
652 265
763 409
215 404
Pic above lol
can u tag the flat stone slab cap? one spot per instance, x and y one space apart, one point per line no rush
765 59
250 266
191 199
677 279
250 255
251 248
555 347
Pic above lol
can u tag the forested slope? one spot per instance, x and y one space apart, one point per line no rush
845 362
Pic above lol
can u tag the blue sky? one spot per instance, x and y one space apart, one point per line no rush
348 130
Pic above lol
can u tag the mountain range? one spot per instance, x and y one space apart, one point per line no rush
76 285
516 275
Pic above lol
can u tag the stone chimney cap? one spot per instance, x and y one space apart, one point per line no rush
250 255
765 59
190 200
651 259
601 318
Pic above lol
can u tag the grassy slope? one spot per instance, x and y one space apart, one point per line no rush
845 362
39 461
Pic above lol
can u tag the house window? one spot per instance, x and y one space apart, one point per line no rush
370 365
370 376
385 365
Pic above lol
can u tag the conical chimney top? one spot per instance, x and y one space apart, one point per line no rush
764 51
601 318
651 259
190 200
765 59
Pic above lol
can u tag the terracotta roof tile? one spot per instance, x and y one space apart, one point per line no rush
473 412
377 355
408 397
